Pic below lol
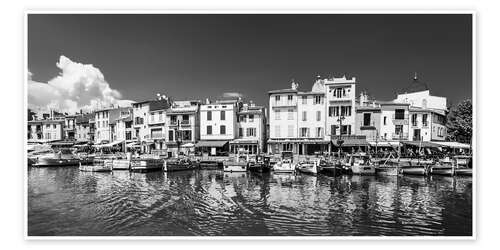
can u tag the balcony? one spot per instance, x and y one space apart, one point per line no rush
156 121
341 98
181 123
158 136
284 103
400 136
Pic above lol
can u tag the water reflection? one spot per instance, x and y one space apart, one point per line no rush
64 201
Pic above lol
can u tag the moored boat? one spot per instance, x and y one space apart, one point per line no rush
97 165
63 157
329 168
308 167
178 164
414 168
146 165
121 164
463 171
235 166
284 166
443 167
360 164
386 167
261 164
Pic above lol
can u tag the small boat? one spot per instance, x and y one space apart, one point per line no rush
308 167
121 164
463 171
260 165
284 166
210 165
414 167
234 166
386 167
360 164
178 164
443 167
97 165
329 168
146 164
63 157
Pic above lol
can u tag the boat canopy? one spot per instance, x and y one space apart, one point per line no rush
384 143
187 145
453 144
107 145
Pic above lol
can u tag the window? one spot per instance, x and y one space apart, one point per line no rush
222 130
333 129
317 99
251 131
240 132
424 120
346 129
290 130
277 114
336 111
277 98
186 135
414 120
185 117
345 110
209 130
304 99
366 119
290 114
319 132
330 111
385 120
277 131
398 129
171 135
304 116
318 115
399 114
223 115
53 126
209 115
250 118
304 132
290 98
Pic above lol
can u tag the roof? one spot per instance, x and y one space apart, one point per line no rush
311 93
415 86
282 91
211 144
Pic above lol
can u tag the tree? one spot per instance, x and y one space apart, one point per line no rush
459 122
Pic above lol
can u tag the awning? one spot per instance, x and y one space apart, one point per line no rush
111 144
306 141
453 144
384 144
62 144
132 145
352 142
239 141
423 144
211 144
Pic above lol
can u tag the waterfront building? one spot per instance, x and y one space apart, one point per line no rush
46 130
121 126
82 127
218 126
250 124
182 130
105 124
306 122
140 114
69 127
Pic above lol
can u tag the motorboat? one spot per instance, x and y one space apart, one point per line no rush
444 166
332 168
360 164
146 164
414 167
284 166
62 157
178 164
97 165
463 165
308 167
260 164
386 167
235 166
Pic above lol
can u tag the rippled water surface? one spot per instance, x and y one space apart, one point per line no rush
65 201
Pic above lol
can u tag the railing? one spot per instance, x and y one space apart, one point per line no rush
404 117
158 136
156 121
285 103
400 136
185 122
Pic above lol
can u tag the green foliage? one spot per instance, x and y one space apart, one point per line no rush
459 122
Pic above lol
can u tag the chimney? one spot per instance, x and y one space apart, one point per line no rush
207 101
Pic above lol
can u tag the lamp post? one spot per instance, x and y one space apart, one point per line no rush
178 138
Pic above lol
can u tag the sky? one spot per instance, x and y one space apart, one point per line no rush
82 60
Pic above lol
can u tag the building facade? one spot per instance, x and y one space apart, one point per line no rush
217 126
251 135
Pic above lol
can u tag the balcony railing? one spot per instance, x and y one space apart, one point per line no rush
181 122
285 103
158 136
400 136
399 117
156 121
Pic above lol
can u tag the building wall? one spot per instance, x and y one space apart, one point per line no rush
216 122
388 129
258 124
423 99
283 120
82 131
419 125
52 130
347 100
372 131
311 109
140 110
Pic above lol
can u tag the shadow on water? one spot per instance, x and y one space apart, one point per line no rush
65 201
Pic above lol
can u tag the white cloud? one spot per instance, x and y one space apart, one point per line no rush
78 86
232 94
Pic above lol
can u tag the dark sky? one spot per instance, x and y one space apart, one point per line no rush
199 56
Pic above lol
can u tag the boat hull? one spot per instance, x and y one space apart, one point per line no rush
49 162
418 170
232 167
172 167
363 170
210 165
121 164
146 165
260 168
438 170
463 171
386 170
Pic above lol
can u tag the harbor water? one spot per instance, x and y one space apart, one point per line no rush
66 202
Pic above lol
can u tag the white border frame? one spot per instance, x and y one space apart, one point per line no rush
169 238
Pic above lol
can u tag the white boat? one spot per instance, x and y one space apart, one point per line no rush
233 166
284 166
445 166
360 164
146 164
414 167
98 165
308 167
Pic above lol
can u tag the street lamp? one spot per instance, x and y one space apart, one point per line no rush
178 138
340 141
